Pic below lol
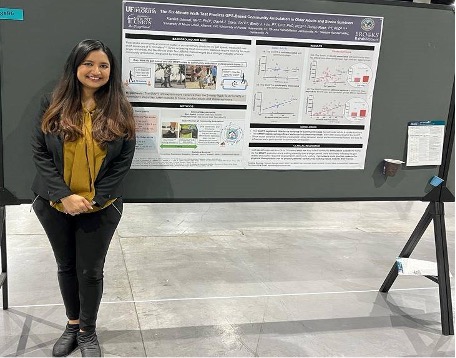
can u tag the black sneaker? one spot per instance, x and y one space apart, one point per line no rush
67 342
88 344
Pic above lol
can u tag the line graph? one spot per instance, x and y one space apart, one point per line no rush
332 109
274 108
277 70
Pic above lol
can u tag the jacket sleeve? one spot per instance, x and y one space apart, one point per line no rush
44 159
115 174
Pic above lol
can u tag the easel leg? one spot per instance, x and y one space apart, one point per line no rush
409 247
446 310
4 286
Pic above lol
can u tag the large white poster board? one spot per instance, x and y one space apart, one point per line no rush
232 88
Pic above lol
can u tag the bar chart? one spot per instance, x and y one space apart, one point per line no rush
359 75
356 109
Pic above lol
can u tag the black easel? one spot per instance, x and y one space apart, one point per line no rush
435 212
6 198
3 275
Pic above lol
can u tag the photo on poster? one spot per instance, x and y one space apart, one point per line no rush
170 130
168 75
201 76
188 131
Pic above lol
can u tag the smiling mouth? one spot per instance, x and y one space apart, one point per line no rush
94 78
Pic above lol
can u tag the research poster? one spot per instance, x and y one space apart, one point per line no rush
235 88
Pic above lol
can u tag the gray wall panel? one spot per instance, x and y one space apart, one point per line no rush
414 79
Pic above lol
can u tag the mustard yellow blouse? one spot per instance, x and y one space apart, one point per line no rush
82 160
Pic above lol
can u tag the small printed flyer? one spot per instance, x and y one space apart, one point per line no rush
235 88
425 143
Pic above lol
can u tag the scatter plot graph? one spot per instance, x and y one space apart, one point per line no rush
355 109
278 106
320 74
268 106
326 70
276 69
332 109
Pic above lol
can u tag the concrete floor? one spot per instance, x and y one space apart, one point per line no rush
239 279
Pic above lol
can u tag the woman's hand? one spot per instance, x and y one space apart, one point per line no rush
75 204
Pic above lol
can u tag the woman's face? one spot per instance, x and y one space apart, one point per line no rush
94 71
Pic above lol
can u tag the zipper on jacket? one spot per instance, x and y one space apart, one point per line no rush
33 202
115 207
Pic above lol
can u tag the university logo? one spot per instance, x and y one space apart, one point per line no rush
139 21
367 24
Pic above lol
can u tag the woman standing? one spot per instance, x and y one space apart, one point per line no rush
83 144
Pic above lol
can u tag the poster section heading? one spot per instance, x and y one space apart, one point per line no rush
225 97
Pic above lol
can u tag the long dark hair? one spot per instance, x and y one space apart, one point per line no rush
113 116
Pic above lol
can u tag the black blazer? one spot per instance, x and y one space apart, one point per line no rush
48 157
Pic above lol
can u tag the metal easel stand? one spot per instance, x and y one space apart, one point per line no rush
434 212
6 198
3 275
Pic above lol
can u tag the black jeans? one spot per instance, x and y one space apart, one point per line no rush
80 244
